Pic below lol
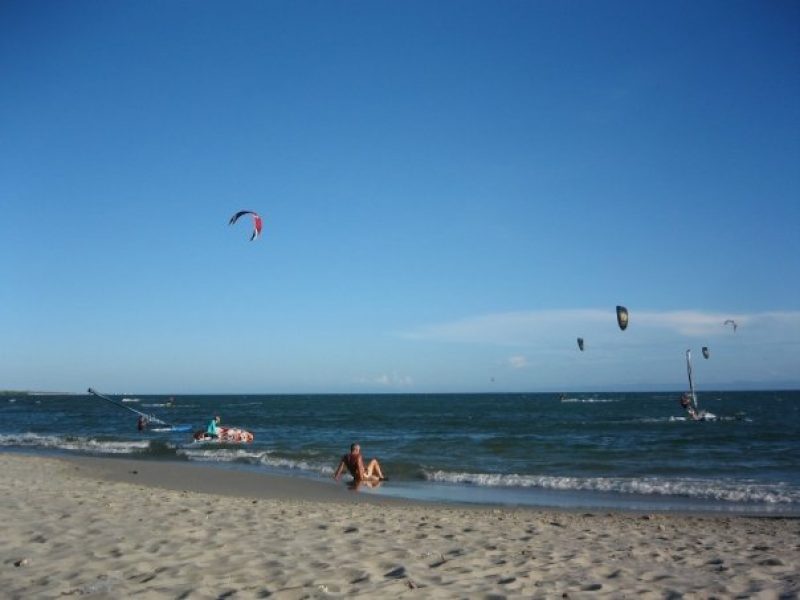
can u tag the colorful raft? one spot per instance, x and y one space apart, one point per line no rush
227 435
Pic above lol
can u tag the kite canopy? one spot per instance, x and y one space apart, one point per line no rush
731 322
622 317
706 352
256 222
580 344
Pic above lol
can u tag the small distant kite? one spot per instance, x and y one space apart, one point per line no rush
706 352
622 317
580 344
256 222
731 322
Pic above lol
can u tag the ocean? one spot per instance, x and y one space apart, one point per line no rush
584 451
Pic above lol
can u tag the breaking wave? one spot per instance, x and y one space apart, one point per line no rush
588 400
259 458
75 444
745 491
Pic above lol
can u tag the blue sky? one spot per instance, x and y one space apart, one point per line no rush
452 192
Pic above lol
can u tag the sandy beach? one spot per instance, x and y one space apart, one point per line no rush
106 528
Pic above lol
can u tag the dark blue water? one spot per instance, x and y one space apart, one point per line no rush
609 450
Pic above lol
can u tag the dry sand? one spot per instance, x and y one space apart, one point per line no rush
104 528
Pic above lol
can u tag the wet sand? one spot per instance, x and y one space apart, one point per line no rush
107 528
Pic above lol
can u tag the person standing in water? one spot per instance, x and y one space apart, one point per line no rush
353 461
686 404
212 430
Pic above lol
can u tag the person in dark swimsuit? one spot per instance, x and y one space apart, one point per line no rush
353 461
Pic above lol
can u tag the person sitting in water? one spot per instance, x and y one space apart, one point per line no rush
686 404
212 431
354 463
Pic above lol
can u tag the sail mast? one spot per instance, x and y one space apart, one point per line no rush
150 418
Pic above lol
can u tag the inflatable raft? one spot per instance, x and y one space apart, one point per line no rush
227 435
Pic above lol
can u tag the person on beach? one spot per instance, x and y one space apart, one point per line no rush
353 461
212 430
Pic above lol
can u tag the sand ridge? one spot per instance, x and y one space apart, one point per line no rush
69 530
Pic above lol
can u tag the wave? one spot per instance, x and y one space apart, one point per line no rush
745 491
588 400
259 458
74 443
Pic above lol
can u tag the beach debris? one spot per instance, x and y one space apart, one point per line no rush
257 223
411 585
23 562
397 573
731 322
622 317
580 343
706 352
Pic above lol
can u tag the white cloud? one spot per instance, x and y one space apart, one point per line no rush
386 380
517 362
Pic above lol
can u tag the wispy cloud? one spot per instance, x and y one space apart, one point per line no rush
517 362
386 380
532 327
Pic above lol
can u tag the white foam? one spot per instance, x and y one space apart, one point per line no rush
706 489
264 458
80 444
588 400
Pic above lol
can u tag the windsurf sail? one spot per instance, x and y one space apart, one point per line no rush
150 418
691 382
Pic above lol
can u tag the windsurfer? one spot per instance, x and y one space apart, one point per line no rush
353 461
142 423
686 404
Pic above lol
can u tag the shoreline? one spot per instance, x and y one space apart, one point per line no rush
242 480
94 527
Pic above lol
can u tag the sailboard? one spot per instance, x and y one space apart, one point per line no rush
164 426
